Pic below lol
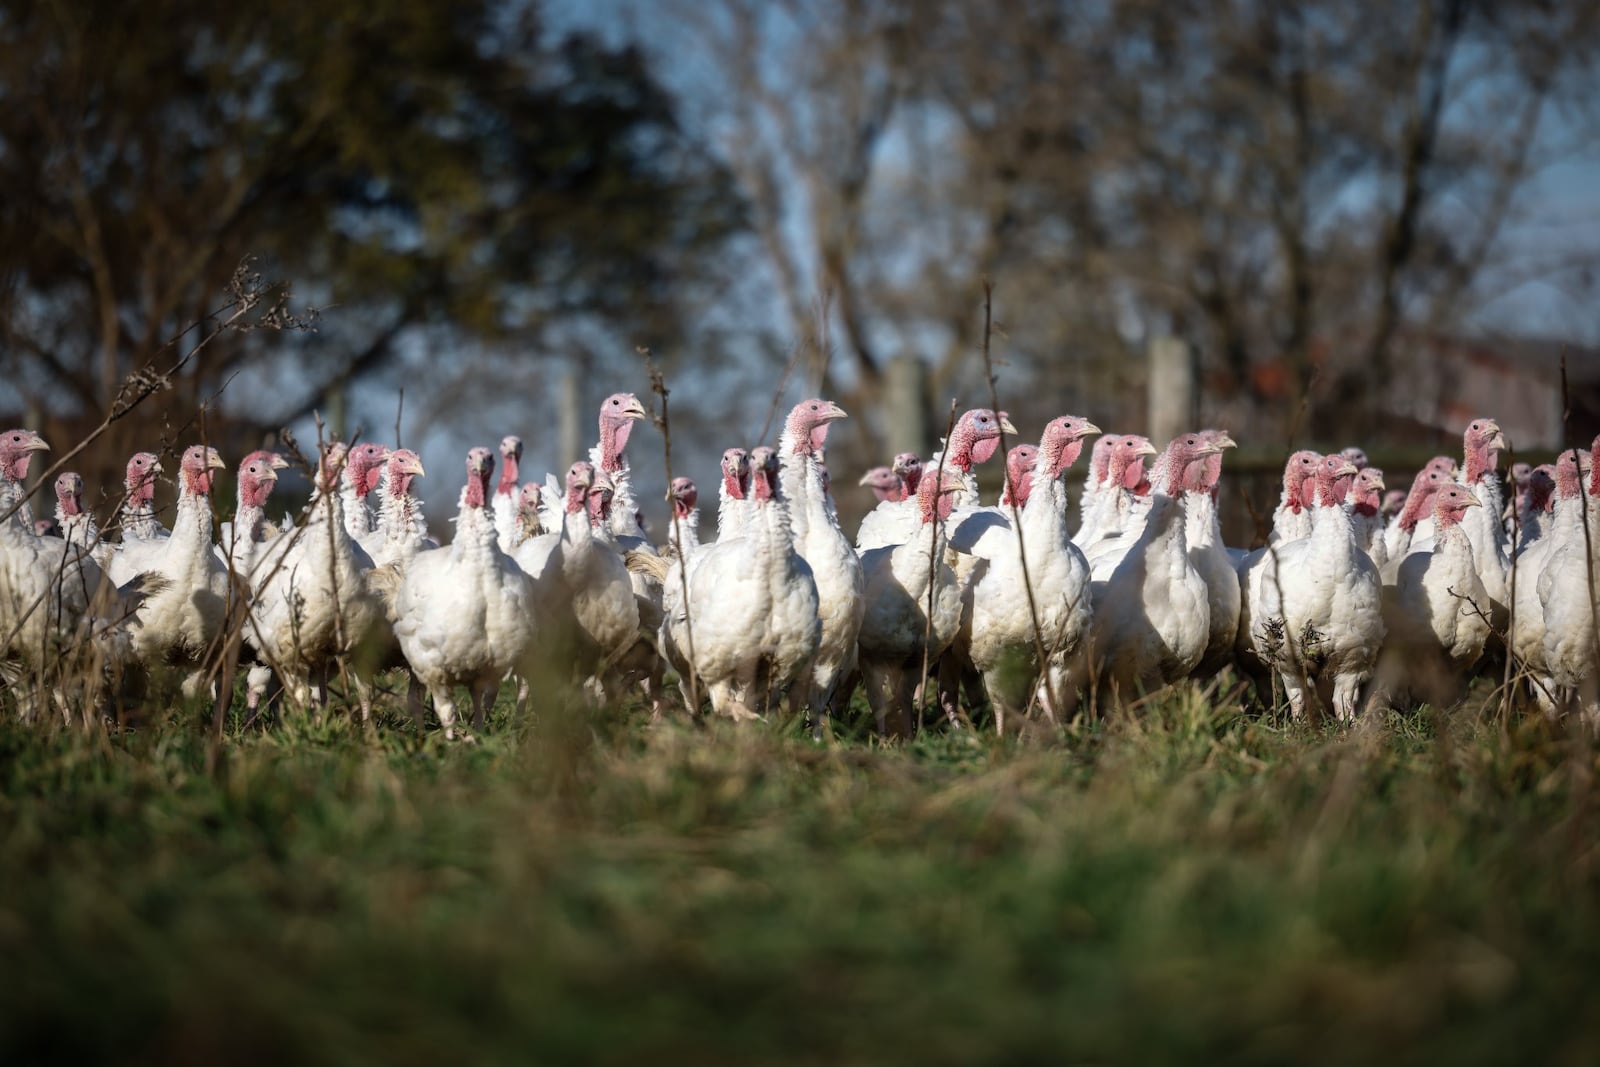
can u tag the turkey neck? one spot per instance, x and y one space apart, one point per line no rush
775 553
1333 537
1367 529
1485 530
912 558
247 523
685 528
139 519
12 496
733 514
1201 526
394 517
476 537
356 517
816 505
794 479
1044 516
1164 535
623 507
80 530
189 545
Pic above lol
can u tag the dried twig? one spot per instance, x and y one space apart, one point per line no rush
1016 512
933 569
663 422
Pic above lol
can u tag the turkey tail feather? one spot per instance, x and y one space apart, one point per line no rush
648 564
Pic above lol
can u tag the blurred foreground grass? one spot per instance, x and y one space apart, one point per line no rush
1191 885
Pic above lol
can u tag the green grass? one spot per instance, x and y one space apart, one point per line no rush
1193 885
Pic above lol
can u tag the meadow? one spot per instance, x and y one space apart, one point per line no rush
1183 883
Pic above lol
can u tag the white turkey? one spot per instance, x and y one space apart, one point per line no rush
753 605
313 610
1436 613
530 515
998 638
241 550
464 614
1366 504
400 524
180 623
1120 505
821 542
1094 484
1021 462
243 537
363 471
684 530
1320 624
896 482
1482 443
76 524
1152 620
1209 556
973 440
1535 506
53 599
40 607
136 519
618 415
1258 570
897 636
1415 516
733 495
506 493
885 485
733 514
1527 616
641 662
581 584
1566 588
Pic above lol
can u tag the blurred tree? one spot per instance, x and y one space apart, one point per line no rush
1292 187
453 168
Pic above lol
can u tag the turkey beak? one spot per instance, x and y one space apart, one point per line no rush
214 460
268 475
1006 426
633 409
833 413
1147 449
1377 483
1499 439
412 465
1347 469
35 443
1208 449
1223 440
1471 501
274 461
1088 429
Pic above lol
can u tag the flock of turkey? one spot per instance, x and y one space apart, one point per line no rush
1360 594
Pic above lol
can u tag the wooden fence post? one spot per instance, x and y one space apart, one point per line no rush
905 410
1171 389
